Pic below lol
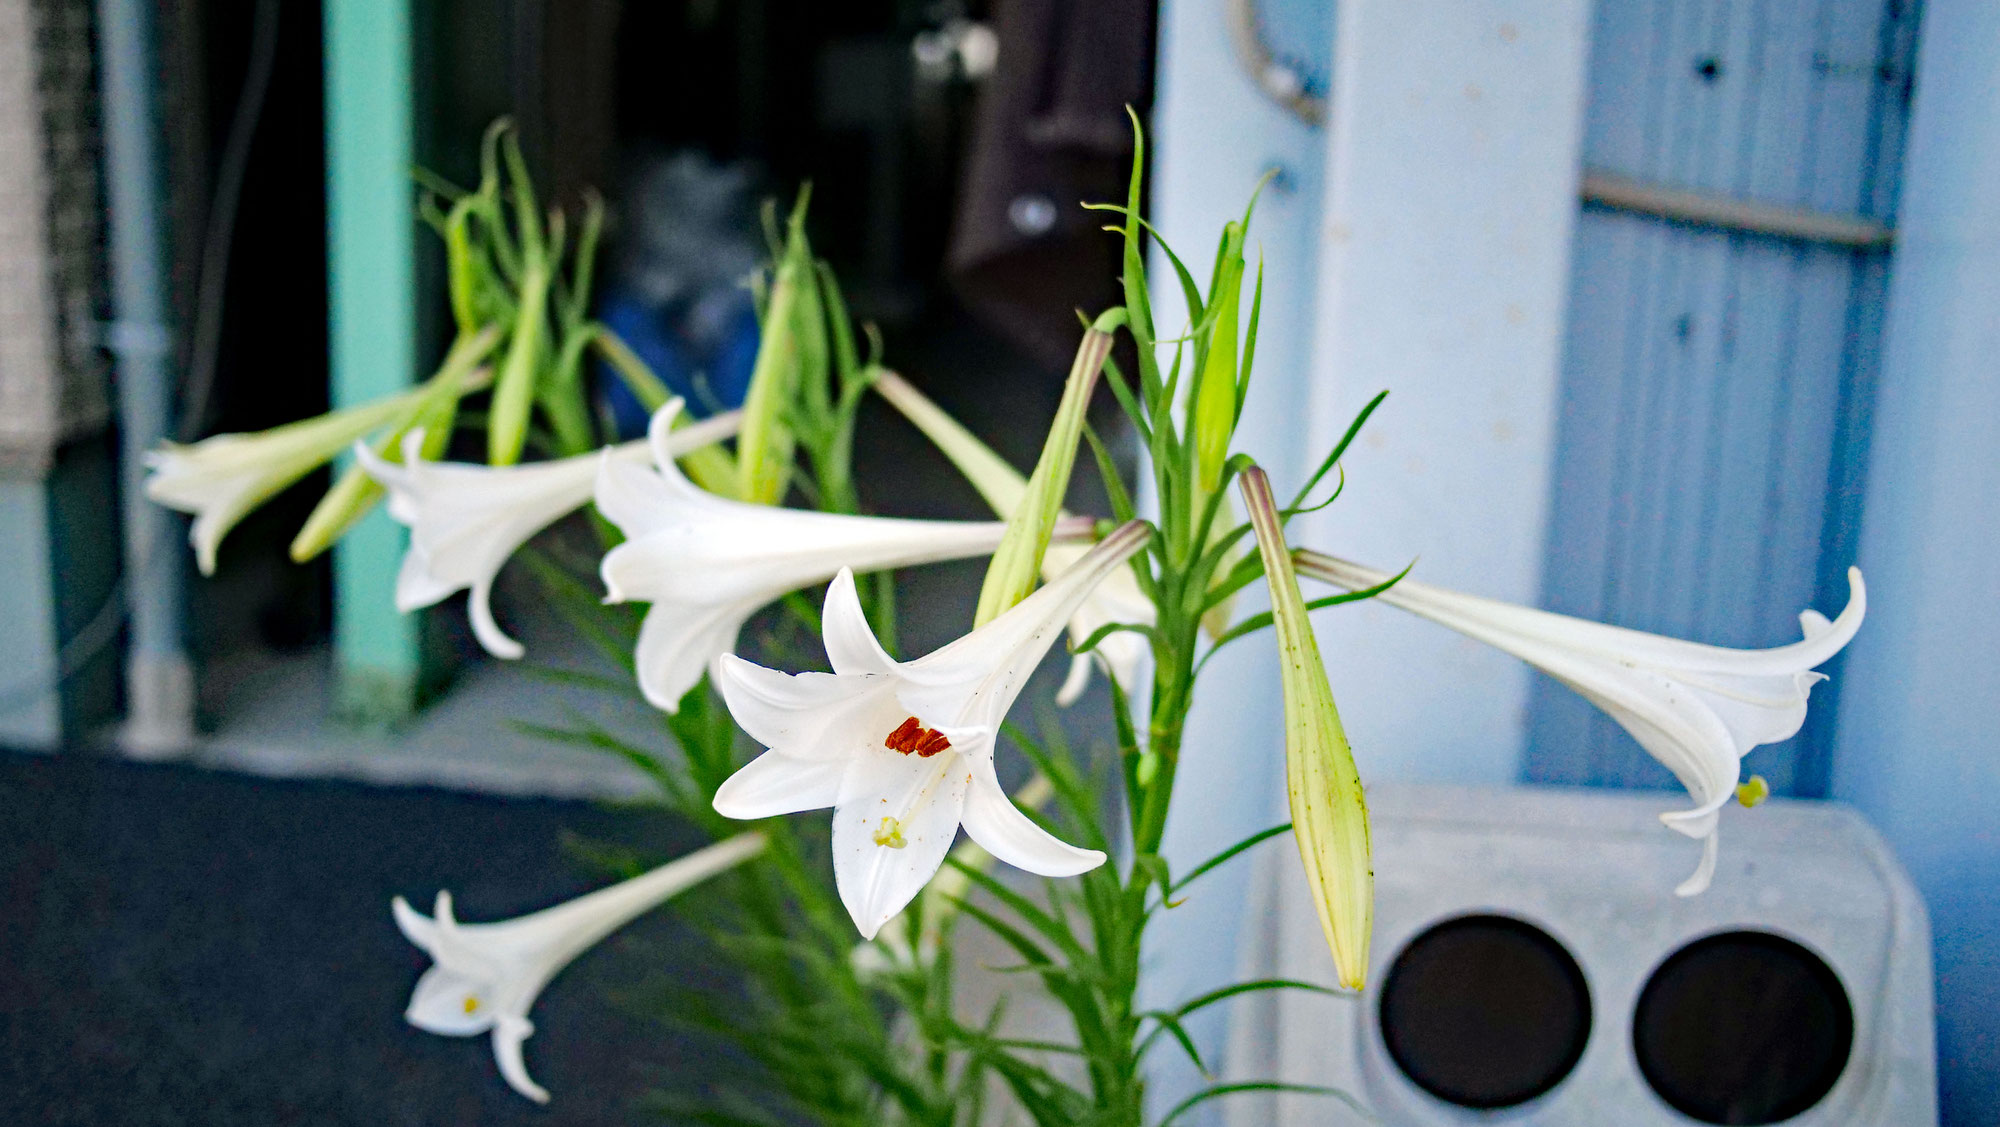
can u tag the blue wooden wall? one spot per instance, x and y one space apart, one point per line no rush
1716 385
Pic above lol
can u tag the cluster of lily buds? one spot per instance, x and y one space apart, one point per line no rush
519 292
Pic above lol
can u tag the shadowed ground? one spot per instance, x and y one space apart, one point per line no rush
185 947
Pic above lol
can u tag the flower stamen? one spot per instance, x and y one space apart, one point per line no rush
910 736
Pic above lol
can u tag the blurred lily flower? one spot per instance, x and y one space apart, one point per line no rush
903 751
1696 708
465 520
707 563
221 479
485 977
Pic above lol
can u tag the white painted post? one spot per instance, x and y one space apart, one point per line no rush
1452 168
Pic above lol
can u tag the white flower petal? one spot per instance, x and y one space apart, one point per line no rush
992 820
850 642
676 644
774 784
495 640
876 877
450 1004
811 717
508 1034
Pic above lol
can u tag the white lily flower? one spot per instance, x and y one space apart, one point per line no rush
221 479
903 751
707 563
487 976
1698 709
465 519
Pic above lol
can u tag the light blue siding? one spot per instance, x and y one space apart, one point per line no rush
1715 383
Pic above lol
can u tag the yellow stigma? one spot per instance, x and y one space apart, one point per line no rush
1753 791
471 1004
891 834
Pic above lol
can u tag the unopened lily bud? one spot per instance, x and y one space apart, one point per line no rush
764 448
1214 414
1018 561
433 411
1329 812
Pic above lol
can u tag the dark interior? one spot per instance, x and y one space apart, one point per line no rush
1743 1027
1485 1011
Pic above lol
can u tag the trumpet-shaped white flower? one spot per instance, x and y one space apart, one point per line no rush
465 520
707 563
221 479
1698 709
485 977
903 751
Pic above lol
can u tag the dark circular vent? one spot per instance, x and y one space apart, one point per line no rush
1485 1011
1742 1027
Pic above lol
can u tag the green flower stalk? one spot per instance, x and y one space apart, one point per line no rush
1329 812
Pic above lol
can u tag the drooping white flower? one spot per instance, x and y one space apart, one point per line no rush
1698 709
221 479
903 751
707 563
465 520
485 977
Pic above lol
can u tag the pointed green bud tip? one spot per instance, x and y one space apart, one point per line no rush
1329 811
1018 560
1215 396
1752 791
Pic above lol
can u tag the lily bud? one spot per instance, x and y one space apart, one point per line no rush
1018 561
1329 812
356 492
764 448
1215 399
1117 599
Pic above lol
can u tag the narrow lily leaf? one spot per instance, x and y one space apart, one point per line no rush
1329 812
1018 561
